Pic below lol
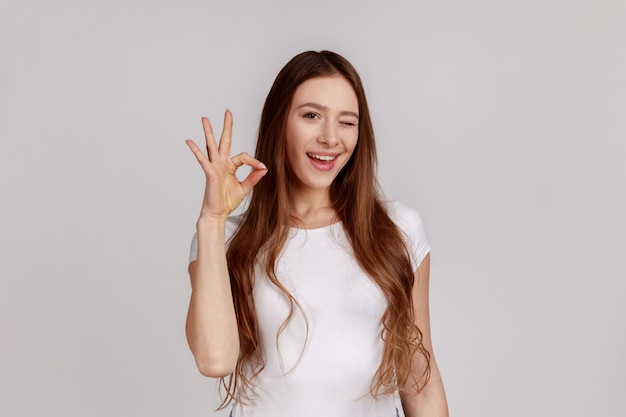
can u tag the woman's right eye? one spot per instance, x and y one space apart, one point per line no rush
310 115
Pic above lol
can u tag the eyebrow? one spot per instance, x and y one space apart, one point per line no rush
325 108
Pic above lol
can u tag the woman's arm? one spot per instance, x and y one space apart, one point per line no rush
431 400
211 322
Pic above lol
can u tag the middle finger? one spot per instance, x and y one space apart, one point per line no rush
211 145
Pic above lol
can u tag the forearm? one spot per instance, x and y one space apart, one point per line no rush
211 322
430 401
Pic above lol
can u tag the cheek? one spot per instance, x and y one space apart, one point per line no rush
291 137
295 139
352 142
289 145
291 149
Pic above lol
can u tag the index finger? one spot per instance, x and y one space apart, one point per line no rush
227 134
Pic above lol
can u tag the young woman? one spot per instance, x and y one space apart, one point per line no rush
314 302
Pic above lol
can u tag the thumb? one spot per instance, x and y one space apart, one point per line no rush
252 179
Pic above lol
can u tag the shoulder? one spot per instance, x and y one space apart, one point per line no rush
410 223
405 217
232 225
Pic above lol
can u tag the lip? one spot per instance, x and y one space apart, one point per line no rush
322 165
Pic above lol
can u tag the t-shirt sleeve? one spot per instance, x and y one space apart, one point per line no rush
412 226
193 251
232 223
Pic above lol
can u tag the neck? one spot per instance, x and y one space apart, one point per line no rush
312 209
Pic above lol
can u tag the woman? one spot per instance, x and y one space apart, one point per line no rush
314 302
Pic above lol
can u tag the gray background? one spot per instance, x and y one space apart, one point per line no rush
502 122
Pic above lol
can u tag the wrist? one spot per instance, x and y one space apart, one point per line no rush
207 223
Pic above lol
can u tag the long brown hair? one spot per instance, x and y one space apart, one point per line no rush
377 243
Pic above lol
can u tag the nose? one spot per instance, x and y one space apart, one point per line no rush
329 135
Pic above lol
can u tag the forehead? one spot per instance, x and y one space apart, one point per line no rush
333 92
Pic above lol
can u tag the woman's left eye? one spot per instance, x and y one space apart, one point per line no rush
348 123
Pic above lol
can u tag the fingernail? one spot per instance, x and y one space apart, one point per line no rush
262 165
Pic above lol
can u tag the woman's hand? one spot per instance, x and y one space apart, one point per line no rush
223 191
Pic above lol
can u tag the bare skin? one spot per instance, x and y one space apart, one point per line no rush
211 323
431 401
322 120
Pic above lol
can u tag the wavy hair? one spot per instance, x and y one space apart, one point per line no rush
377 243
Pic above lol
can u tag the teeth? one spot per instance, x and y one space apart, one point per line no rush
322 157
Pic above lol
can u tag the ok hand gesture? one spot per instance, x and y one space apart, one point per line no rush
223 191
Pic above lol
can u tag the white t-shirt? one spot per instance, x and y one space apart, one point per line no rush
329 373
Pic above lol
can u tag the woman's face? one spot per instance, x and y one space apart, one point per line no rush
322 131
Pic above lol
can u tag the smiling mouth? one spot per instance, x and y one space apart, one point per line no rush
325 158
